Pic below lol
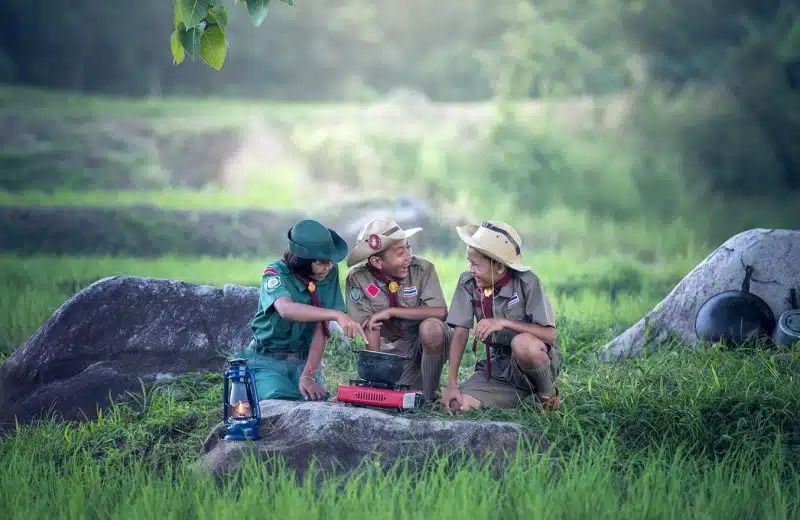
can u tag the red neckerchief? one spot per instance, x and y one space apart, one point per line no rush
484 302
391 285
312 288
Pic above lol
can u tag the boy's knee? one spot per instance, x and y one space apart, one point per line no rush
529 351
431 335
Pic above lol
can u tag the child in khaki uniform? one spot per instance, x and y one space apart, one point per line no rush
515 320
397 298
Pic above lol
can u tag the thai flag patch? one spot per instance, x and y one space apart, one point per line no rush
410 292
514 299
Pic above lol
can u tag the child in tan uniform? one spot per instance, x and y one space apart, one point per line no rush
515 321
397 298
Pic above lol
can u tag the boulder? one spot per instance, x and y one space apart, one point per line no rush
338 438
774 255
120 329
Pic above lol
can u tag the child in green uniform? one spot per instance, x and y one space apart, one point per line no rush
300 294
515 320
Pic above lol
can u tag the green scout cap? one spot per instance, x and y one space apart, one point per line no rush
311 240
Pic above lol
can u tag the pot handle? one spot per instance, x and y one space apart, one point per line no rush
748 273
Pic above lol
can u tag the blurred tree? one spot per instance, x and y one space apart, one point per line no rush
744 140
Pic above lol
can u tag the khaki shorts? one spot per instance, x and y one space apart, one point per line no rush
509 385
412 369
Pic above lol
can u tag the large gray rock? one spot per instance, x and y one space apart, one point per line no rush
338 438
775 257
120 329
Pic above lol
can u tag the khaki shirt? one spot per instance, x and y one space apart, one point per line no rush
522 299
366 296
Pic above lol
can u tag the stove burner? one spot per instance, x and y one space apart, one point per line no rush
371 384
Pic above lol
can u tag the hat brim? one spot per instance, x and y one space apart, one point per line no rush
466 232
362 251
336 254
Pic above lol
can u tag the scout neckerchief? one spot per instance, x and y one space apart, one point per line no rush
312 288
390 284
485 301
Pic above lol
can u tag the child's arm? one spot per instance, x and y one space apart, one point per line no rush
301 312
461 317
545 333
458 343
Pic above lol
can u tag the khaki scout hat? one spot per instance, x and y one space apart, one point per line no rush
497 240
377 236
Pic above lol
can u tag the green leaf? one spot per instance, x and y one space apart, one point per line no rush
177 14
257 10
213 47
191 40
193 11
178 53
219 16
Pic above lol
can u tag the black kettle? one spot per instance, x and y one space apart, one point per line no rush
734 317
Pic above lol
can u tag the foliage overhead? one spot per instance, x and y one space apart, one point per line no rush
199 28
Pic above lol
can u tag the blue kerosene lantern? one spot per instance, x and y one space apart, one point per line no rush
240 409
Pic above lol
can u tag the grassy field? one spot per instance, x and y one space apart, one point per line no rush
679 434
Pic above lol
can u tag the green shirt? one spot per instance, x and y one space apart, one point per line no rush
276 334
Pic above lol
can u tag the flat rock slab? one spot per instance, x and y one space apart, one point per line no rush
775 257
338 438
106 337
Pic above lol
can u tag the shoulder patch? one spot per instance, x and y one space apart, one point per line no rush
272 283
372 290
355 293
410 292
270 270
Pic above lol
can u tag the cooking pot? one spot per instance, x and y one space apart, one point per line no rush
787 331
379 367
733 317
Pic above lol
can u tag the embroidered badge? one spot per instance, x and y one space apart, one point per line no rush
410 292
514 299
272 283
374 242
488 292
372 290
270 270
355 293
393 287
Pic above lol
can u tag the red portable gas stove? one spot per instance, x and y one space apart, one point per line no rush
380 395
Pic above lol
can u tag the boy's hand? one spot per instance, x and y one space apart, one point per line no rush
376 320
487 326
452 399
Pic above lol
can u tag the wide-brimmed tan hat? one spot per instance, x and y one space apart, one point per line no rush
377 236
497 240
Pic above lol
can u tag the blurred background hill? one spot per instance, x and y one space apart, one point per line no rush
646 126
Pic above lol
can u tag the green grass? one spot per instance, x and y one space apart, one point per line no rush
280 192
678 434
